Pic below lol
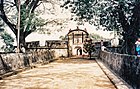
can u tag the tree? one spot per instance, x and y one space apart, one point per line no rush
8 40
83 10
29 19
96 37
123 16
120 15
89 47
27 15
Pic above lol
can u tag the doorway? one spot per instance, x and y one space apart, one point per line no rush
79 51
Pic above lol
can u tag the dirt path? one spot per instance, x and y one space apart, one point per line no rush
62 74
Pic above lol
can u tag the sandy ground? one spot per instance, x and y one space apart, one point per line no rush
61 74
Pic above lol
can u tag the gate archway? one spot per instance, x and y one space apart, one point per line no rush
76 40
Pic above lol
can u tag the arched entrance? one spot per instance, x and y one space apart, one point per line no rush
76 40
78 50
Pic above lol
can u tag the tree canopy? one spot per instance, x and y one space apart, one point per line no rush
96 37
8 40
30 21
122 16
8 13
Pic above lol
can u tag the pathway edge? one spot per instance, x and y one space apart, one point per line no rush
118 82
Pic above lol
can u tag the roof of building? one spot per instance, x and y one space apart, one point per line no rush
77 29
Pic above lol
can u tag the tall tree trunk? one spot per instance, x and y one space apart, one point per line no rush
22 42
129 33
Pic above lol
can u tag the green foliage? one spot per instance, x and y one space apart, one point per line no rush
62 37
27 9
96 37
122 16
112 14
83 9
88 48
8 40
28 19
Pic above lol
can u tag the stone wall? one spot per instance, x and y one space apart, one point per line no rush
60 52
13 61
125 66
56 52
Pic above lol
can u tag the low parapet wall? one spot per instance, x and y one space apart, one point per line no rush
125 66
13 61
